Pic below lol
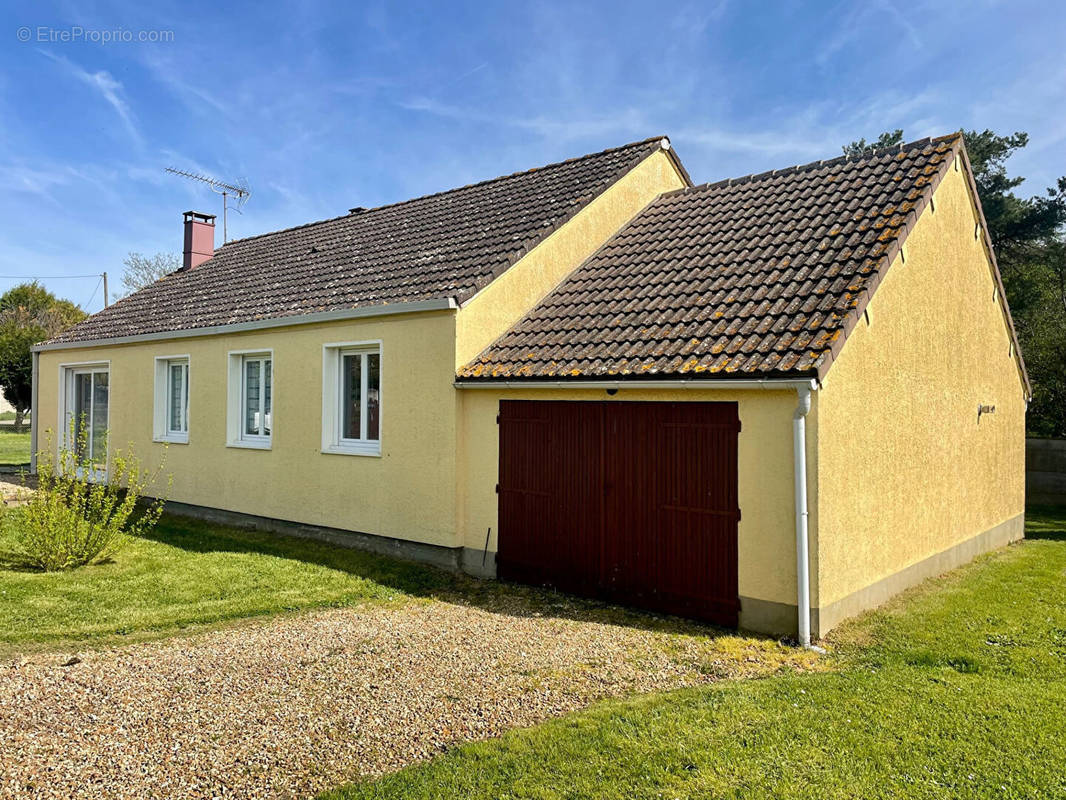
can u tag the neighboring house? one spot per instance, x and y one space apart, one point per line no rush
772 401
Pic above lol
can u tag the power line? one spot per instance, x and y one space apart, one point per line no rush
44 277
93 295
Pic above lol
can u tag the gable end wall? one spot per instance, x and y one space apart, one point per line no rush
907 477
496 308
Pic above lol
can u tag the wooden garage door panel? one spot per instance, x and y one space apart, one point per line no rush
634 502
670 537
550 466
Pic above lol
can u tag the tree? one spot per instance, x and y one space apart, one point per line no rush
141 270
29 313
1029 238
1020 228
887 139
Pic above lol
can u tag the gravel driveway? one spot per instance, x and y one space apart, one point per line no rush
292 705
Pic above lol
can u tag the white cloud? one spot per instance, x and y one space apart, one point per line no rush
45 179
815 131
693 19
625 122
196 98
38 182
1031 104
862 19
766 143
107 87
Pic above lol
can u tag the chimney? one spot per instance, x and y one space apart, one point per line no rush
199 239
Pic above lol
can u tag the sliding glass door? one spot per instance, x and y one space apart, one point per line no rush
88 392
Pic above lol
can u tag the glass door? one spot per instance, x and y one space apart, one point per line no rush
87 404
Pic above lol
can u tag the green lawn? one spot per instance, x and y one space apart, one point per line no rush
192 573
14 448
956 690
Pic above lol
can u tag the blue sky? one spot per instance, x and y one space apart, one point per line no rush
321 106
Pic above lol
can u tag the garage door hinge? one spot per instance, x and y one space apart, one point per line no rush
497 488
497 419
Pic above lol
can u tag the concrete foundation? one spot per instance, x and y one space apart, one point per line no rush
779 619
759 616
447 558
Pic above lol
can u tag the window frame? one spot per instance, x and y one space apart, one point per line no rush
162 431
264 364
236 405
67 371
333 440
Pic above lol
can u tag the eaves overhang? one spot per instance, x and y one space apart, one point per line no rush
362 312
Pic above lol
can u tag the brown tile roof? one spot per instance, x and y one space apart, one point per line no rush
757 277
444 245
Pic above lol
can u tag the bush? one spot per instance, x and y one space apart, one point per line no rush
78 514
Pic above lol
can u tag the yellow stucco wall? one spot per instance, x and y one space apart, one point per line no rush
904 469
899 467
407 492
766 535
490 313
410 491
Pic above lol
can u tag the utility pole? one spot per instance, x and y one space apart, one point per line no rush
106 303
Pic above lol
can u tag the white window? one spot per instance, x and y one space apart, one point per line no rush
251 399
171 399
351 398
83 413
255 397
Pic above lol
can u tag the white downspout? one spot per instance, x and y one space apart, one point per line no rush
35 379
803 570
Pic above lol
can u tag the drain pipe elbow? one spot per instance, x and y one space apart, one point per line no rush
803 572
803 407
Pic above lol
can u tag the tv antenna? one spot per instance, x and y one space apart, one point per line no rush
240 191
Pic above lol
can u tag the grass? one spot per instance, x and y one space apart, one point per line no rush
189 575
955 690
14 449
192 574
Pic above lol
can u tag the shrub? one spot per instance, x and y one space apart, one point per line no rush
78 513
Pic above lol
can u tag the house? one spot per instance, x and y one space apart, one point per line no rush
770 402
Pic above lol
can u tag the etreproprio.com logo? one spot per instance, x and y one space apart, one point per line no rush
46 34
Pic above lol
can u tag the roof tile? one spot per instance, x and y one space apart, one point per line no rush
444 245
755 276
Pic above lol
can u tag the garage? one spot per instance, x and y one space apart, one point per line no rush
631 502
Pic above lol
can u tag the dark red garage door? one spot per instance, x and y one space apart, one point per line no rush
630 502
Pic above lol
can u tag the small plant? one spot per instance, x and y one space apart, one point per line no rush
82 512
